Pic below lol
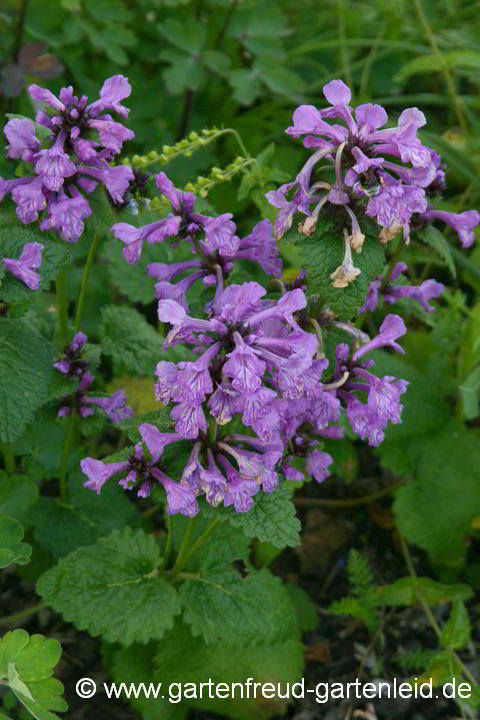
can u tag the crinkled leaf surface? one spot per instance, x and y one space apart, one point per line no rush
25 376
61 527
323 252
112 589
12 549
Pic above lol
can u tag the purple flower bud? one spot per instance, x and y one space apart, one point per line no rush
318 463
23 142
157 441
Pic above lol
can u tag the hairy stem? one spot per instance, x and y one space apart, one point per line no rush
84 286
169 543
66 451
62 304
428 611
183 553
21 616
201 539
363 500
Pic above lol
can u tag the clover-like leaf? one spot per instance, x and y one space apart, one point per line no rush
26 666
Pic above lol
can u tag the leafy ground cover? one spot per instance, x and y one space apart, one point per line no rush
256 511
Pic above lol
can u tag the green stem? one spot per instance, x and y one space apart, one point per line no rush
201 539
86 273
62 304
184 548
19 617
428 611
441 62
363 500
169 543
8 458
66 452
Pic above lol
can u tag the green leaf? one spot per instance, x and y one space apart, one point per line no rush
186 36
108 11
119 35
186 659
424 405
18 494
323 252
27 661
112 589
131 280
434 500
25 376
103 214
185 71
272 519
470 393
128 338
246 85
222 606
457 630
434 238
407 590
12 549
307 613
115 53
434 63
135 664
62 527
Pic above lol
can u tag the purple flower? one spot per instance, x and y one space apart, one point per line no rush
71 364
463 223
181 498
67 215
260 246
392 327
134 237
157 441
391 293
115 406
318 463
23 143
98 472
24 268
370 419
54 164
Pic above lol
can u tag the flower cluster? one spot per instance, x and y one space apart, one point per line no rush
74 366
385 173
369 420
215 245
252 405
66 159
